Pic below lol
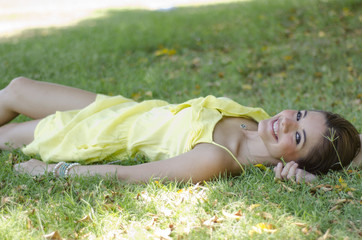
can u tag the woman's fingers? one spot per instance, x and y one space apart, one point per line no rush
278 171
309 177
292 171
304 176
299 177
289 170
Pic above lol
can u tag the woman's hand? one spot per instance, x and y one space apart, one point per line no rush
33 167
291 172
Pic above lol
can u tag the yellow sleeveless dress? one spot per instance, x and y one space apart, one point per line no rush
117 127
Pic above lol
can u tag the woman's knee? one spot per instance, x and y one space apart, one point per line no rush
13 89
18 83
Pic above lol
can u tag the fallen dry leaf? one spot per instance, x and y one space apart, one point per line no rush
262 227
84 219
5 200
325 235
306 230
299 224
236 215
53 236
151 223
29 224
266 215
288 188
210 222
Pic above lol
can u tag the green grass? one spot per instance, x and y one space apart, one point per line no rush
299 54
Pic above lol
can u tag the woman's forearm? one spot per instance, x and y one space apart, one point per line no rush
127 173
131 174
120 172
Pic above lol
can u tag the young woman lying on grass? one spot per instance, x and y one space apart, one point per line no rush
196 140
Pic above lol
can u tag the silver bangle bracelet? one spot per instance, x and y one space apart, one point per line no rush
57 167
66 173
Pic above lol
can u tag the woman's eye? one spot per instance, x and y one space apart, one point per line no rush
299 115
297 138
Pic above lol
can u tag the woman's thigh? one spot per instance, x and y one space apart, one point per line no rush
37 99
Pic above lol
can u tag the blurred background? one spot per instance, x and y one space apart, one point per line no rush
18 15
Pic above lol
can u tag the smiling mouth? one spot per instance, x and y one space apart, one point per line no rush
275 128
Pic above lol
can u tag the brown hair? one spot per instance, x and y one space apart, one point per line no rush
339 145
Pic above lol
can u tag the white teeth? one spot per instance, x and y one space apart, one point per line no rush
275 128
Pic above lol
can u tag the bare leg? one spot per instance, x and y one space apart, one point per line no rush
35 100
39 99
14 135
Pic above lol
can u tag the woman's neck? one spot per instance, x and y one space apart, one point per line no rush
254 150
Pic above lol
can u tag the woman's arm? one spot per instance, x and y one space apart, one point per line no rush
357 161
204 162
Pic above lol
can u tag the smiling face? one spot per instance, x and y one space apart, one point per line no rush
292 134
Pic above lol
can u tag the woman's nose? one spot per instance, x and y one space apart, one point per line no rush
288 124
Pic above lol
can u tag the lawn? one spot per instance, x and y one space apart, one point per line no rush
280 54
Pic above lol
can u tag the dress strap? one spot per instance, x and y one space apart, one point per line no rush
231 154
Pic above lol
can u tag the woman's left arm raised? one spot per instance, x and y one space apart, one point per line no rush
203 162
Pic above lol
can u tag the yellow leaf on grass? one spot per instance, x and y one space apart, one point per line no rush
288 58
247 87
136 96
262 227
165 51
252 206
346 12
261 166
